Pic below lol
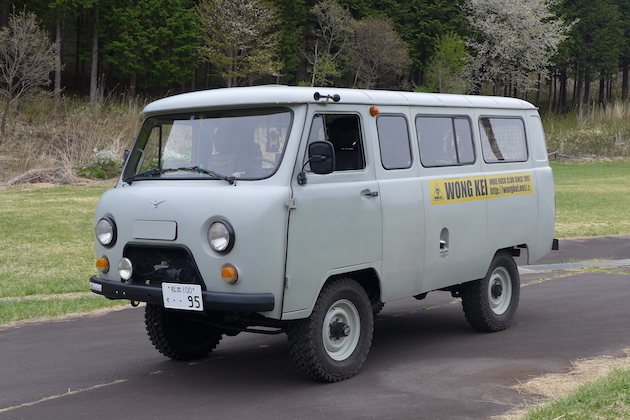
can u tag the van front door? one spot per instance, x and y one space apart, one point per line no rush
335 220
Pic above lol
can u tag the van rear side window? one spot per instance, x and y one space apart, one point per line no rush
445 141
503 139
393 139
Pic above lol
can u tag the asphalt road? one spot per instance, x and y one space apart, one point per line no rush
425 362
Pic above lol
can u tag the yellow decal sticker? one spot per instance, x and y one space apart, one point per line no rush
457 190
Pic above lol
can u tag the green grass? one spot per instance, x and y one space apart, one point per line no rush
600 131
592 199
47 246
47 249
606 398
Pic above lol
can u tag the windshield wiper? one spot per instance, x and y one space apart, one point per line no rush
160 171
230 179
150 172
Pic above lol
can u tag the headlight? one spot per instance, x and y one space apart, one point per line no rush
105 231
221 236
125 268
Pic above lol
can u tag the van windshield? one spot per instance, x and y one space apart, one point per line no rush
227 145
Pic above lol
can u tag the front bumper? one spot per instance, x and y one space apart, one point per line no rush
213 301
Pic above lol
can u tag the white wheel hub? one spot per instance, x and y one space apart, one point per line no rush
341 330
500 290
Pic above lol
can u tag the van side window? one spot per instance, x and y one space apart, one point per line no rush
393 139
503 139
344 132
445 141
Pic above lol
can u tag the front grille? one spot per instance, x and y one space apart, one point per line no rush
154 265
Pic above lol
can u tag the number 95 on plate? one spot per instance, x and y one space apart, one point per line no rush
182 296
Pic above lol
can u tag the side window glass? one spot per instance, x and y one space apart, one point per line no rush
393 138
445 141
503 139
464 141
344 132
436 140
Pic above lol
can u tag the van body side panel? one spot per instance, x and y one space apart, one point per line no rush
546 195
512 211
403 216
455 211
461 224
334 228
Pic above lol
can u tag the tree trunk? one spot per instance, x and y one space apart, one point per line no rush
624 81
562 95
94 69
133 81
5 114
580 93
587 89
58 36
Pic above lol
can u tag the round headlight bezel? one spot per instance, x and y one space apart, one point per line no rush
125 268
221 236
105 232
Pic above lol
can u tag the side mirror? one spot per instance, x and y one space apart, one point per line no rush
321 156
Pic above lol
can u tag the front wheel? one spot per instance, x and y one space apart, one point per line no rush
179 335
332 344
490 303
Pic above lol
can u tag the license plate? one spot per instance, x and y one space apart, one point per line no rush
182 296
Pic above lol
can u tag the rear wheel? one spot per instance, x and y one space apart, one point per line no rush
332 344
179 335
490 303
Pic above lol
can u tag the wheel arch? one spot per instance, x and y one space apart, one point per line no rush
367 278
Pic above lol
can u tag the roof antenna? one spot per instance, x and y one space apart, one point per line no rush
335 97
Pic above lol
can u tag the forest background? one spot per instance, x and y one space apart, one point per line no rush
95 63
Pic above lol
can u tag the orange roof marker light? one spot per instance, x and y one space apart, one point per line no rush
374 111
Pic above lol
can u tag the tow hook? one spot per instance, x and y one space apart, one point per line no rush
135 303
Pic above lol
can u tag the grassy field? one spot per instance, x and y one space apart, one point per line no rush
47 252
592 198
605 398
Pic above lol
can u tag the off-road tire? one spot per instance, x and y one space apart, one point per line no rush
490 303
180 335
315 351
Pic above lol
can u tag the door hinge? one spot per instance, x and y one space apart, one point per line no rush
291 203
287 282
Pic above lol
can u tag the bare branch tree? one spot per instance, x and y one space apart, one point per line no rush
333 34
27 57
379 53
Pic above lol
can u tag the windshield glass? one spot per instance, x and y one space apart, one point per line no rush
226 145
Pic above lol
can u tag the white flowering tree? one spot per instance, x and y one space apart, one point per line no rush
514 42
240 39
27 57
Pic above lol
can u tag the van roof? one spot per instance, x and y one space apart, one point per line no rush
281 95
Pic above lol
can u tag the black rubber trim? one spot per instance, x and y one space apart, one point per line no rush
213 301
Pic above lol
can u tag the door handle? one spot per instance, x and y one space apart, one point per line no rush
370 194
